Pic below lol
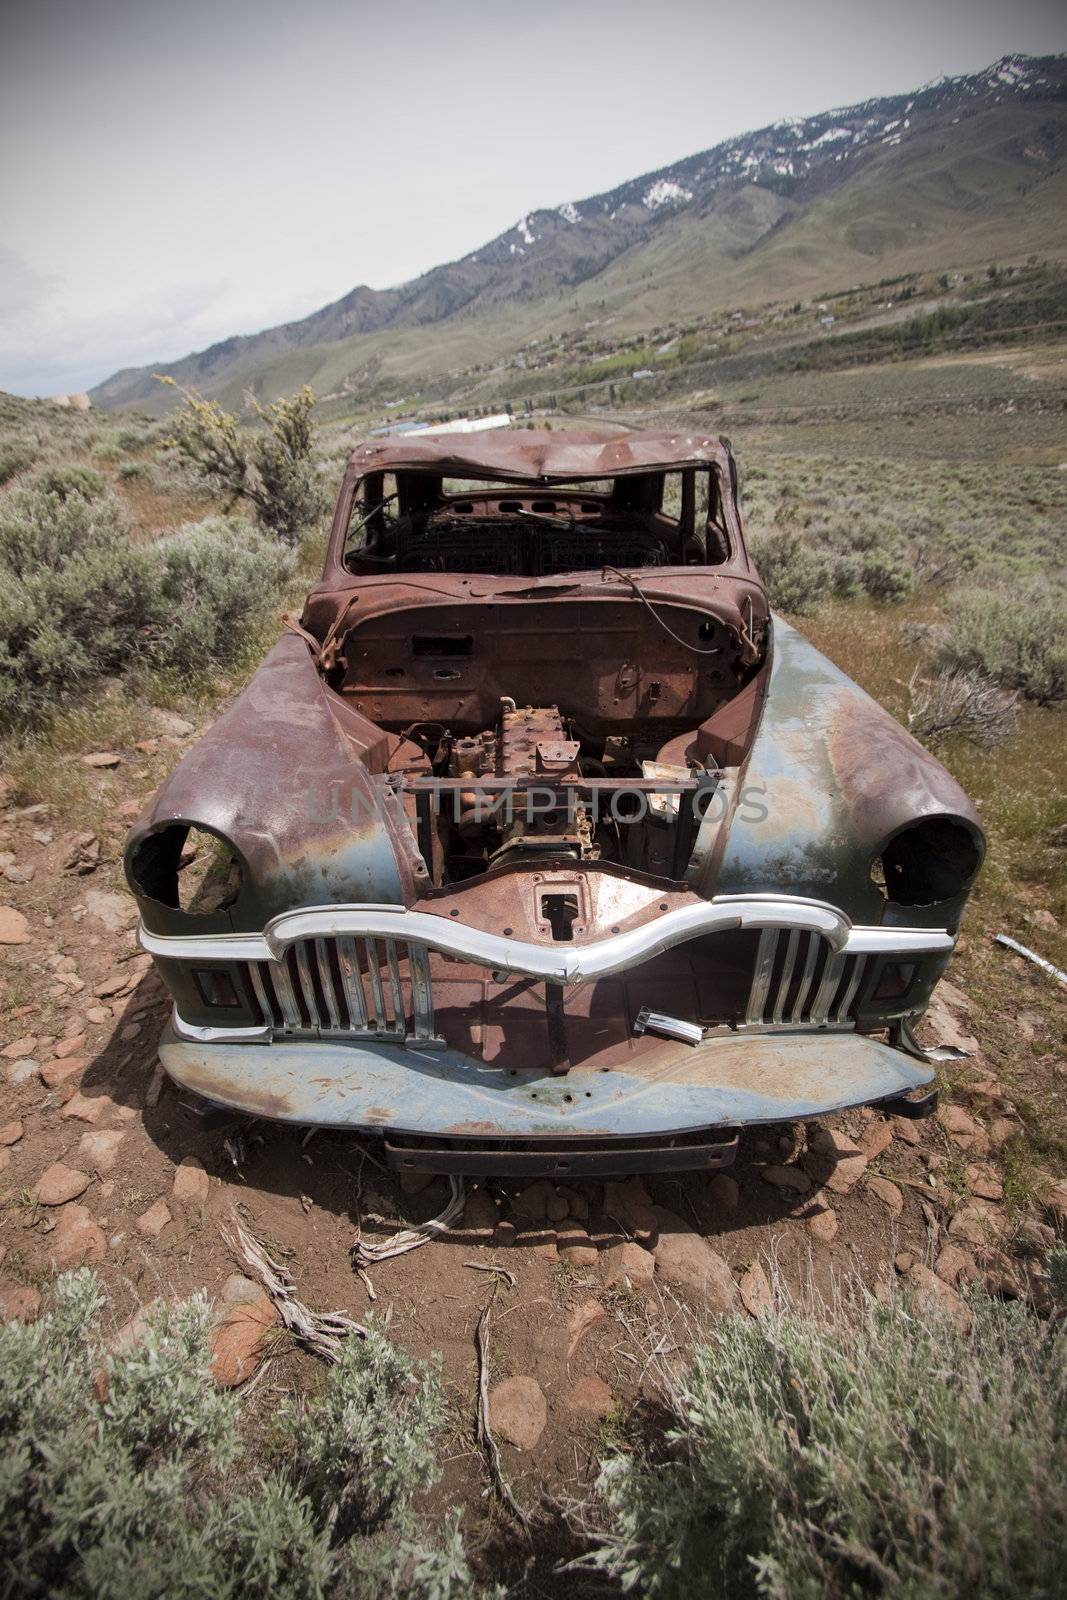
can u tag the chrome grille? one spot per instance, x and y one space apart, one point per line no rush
800 980
349 985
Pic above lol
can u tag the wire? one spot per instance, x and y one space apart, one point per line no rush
635 586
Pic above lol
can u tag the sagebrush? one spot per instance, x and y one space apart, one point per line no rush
126 1475
889 1455
79 601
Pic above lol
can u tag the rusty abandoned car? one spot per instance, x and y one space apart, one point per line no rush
540 844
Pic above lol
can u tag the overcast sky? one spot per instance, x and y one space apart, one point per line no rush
171 173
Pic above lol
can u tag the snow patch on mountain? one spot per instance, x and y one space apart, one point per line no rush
665 192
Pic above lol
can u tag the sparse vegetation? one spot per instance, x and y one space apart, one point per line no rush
962 704
80 601
127 1474
1017 637
885 1453
271 469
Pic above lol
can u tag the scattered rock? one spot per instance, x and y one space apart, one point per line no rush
1055 1199
238 1340
688 1261
155 1088
19 1302
574 1245
86 1108
118 978
1035 1237
20 874
10 1133
583 1317
480 1214
99 1150
171 722
531 1203
556 1208
56 1072
239 1290
977 1224
786 1178
115 911
191 1183
723 1191
755 1291
838 1160
591 1397
907 1130
887 1193
518 1411
14 927
823 1224
983 1182
630 1204
936 1298
954 1266
504 1234
903 1261
152 1222
76 1240
102 759
23 1071
58 1184
539 1241
98 1014
69 1046
20 1047
876 1137
626 1264
412 1183
1044 920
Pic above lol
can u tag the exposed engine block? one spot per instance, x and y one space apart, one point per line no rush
530 743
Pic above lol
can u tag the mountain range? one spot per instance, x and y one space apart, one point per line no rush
962 171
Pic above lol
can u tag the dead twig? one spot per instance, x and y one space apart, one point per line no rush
485 1432
363 1255
481 1266
324 1332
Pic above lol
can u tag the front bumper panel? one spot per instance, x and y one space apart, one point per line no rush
726 1082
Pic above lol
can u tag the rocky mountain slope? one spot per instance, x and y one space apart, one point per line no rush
961 167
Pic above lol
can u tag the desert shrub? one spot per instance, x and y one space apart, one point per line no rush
213 579
15 458
148 1491
891 1455
1018 638
79 602
797 575
66 482
73 594
271 469
962 704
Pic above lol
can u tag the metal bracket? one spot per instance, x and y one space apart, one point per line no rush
648 1021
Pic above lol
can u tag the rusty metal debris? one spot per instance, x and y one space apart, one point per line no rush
1031 955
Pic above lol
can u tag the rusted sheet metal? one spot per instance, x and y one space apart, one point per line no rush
726 1082
830 777
522 454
